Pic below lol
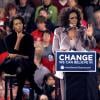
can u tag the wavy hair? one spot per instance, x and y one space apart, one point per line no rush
63 19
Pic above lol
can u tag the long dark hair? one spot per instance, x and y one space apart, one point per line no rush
64 17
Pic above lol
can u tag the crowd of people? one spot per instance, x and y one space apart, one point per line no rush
30 34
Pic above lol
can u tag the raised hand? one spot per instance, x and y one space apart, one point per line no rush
89 30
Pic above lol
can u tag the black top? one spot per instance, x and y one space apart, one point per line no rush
26 47
2 46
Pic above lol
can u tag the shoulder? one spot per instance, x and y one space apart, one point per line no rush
53 7
12 35
59 30
30 8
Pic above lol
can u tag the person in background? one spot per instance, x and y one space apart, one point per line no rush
73 3
72 36
2 18
3 3
11 12
96 21
45 13
47 55
48 85
43 97
96 24
49 25
3 51
3 34
36 3
60 4
26 11
89 9
20 56
53 94
41 69
52 10
41 27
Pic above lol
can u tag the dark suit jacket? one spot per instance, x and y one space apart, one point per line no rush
26 47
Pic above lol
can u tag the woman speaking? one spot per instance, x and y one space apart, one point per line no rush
71 36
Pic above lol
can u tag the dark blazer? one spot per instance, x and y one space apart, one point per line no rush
26 47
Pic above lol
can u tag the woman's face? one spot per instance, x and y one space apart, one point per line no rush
73 19
18 25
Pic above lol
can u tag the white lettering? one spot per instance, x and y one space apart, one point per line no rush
61 57
90 57
72 57
67 57
76 57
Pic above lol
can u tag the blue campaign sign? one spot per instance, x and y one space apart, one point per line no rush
76 61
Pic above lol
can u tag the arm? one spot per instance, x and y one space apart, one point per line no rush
19 38
55 45
89 42
26 50
87 37
16 47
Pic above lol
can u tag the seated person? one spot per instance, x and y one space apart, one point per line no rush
21 53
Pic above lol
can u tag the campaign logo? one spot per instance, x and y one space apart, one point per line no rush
76 61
